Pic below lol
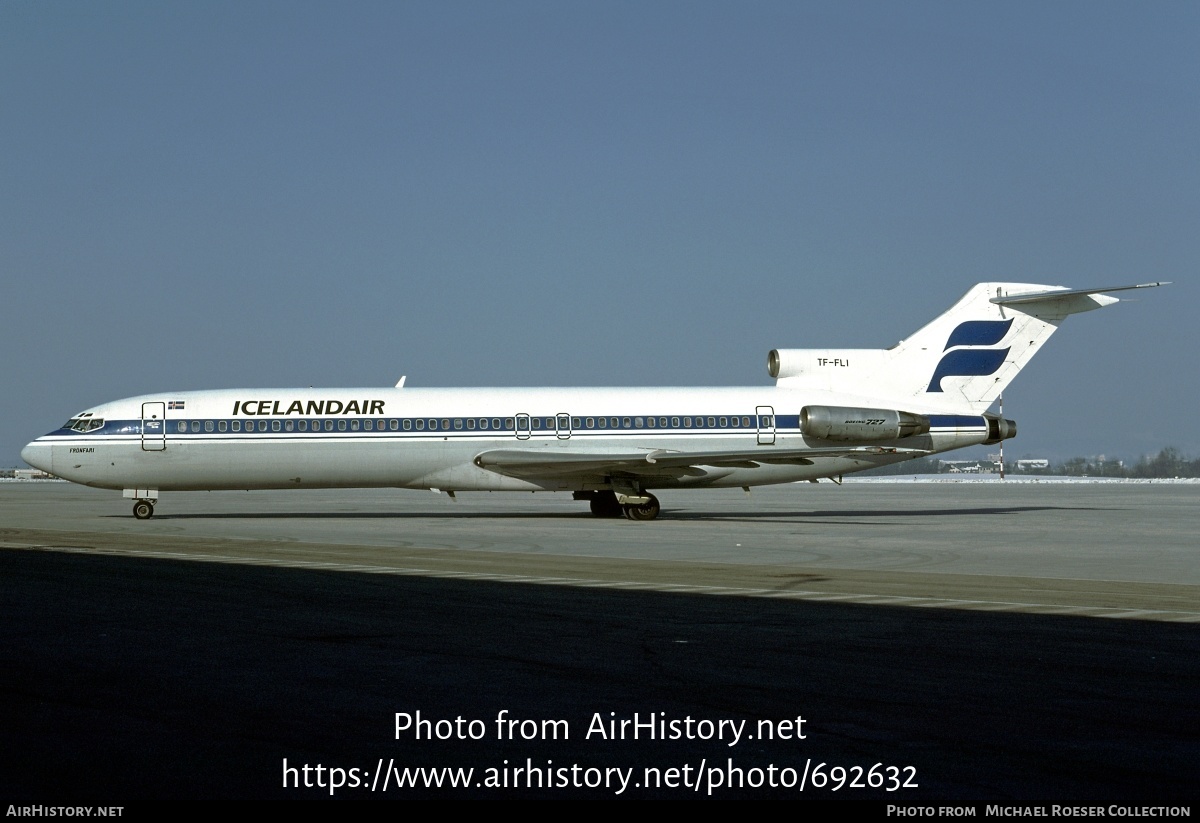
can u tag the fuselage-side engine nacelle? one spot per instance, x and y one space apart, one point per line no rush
846 424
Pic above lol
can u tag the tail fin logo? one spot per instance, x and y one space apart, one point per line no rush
970 361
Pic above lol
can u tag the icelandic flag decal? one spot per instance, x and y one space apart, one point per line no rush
175 404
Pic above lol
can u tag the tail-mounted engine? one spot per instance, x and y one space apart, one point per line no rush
851 425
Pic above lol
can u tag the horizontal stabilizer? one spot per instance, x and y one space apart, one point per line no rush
1056 294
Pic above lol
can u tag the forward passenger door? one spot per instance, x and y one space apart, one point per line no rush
154 426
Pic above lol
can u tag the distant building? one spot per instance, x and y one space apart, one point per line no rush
32 474
963 466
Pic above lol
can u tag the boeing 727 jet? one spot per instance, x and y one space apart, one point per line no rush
830 412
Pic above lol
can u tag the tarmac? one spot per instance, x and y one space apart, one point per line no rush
980 643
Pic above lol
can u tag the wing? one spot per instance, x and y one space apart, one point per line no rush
662 462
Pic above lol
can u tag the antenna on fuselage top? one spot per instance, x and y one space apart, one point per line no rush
403 377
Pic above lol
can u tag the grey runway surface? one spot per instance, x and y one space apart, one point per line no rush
1005 643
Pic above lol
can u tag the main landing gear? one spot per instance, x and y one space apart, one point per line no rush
143 509
643 511
606 504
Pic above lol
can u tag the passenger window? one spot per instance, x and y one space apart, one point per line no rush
275 425
471 423
483 423
369 425
303 425
221 425
329 425
420 424
674 422
353 425
508 423
576 423
445 424
603 422
341 425
649 421
591 423
394 424
457 423
433 425
724 422
712 422
687 422
181 426
208 425
407 424
195 425
288 425
496 423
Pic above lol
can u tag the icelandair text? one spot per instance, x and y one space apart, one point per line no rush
278 407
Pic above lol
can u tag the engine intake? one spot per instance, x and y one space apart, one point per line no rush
853 425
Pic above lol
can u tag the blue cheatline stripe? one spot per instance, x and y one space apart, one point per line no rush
537 424
470 427
956 421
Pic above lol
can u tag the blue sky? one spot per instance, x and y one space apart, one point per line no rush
216 195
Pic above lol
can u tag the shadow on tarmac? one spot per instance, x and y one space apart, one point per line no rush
129 679
584 514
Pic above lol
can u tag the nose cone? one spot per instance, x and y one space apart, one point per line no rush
37 454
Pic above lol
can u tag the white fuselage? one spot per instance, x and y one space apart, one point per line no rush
430 438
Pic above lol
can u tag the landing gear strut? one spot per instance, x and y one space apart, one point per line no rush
143 509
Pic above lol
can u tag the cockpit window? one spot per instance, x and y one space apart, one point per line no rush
84 423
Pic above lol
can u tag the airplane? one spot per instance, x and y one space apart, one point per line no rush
831 412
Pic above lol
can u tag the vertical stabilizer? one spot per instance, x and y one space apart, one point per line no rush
962 360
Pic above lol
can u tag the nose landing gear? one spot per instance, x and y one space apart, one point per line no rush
143 502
